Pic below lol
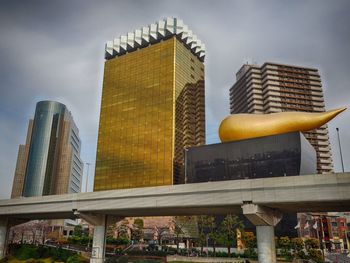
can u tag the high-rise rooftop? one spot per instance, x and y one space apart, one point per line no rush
154 33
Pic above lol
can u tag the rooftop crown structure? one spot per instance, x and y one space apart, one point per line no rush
156 32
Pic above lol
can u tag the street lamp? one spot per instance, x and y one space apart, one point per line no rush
341 154
87 176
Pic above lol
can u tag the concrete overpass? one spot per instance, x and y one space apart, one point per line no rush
262 200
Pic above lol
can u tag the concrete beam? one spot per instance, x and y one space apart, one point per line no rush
261 215
92 219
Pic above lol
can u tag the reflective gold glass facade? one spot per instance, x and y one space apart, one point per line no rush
152 107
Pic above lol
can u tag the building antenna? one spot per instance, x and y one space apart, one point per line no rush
341 154
87 177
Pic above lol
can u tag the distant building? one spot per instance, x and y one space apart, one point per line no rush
49 162
152 106
331 230
276 87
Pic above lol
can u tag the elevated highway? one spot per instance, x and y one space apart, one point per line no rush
327 192
262 200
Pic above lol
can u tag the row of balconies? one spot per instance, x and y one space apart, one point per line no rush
326 161
325 155
290 69
323 137
292 88
327 168
315 100
255 102
290 78
324 149
255 109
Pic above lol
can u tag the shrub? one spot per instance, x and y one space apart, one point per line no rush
61 254
25 252
126 259
44 252
117 241
315 255
35 261
77 259
301 254
250 253
147 253
74 239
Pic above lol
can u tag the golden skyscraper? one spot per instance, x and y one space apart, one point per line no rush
152 106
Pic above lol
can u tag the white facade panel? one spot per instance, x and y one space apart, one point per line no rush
153 34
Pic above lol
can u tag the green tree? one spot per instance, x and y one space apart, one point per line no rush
160 232
123 229
312 246
249 240
250 243
212 229
285 244
137 231
315 255
205 228
298 245
178 229
110 232
312 243
228 231
78 231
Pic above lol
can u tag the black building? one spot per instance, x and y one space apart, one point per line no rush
271 156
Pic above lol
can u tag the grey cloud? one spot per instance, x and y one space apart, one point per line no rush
54 50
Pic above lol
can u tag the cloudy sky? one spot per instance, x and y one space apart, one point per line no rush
53 50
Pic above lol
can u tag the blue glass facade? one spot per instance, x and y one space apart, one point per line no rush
51 151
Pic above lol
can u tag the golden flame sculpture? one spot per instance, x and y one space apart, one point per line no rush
245 126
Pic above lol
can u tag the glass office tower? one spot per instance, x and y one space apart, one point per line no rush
152 106
50 161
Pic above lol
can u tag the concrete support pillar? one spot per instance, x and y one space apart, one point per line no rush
265 236
265 219
99 244
100 223
99 239
3 236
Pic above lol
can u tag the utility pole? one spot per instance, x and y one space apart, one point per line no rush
86 186
341 154
87 177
